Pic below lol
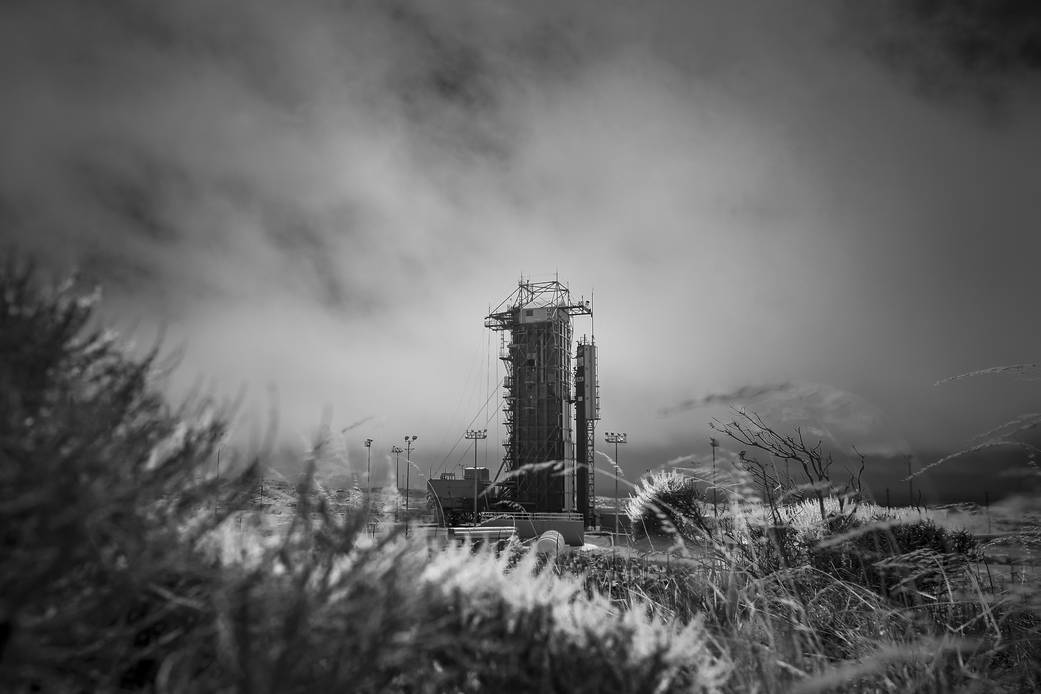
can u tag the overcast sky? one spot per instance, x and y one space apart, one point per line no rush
812 209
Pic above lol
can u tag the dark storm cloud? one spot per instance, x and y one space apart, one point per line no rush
842 419
742 394
979 36
954 47
287 186
328 196
167 127
133 192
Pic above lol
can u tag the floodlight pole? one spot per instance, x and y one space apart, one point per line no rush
397 451
475 434
617 472
409 439
368 465
616 438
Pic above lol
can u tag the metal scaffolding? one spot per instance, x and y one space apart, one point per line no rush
536 335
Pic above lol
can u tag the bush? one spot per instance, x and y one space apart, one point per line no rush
667 503
98 478
895 559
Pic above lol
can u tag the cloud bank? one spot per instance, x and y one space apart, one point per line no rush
323 199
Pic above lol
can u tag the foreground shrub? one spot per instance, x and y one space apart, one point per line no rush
667 503
901 559
98 481
329 608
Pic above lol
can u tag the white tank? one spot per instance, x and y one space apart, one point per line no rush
550 543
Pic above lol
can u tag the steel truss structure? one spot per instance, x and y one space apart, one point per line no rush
535 326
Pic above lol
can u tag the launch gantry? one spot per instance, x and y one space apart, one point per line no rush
536 333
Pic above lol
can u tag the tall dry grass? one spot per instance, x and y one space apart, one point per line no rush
826 593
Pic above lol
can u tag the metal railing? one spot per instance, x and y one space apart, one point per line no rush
525 515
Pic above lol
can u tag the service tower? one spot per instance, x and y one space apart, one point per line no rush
535 323
587 412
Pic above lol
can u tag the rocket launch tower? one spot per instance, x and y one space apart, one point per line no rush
548 443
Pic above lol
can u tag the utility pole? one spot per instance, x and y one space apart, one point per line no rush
616 438
408 464
475 434
368 466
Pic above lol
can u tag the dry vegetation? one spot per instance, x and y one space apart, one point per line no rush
127 566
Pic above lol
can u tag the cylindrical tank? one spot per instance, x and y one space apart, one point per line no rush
549 544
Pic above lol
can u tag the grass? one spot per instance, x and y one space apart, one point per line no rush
127 566
823 597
